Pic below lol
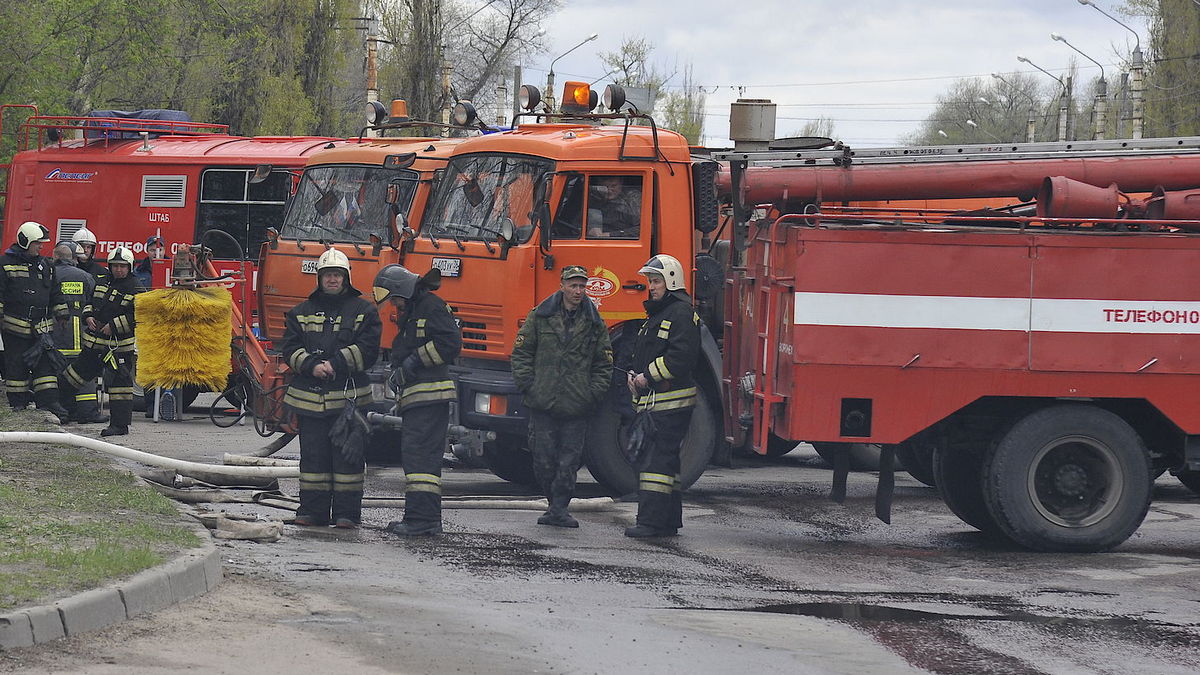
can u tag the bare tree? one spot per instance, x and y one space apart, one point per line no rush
683 110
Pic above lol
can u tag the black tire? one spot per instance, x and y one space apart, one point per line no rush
958 475
606 437
383 447
1069 478
1190 479
509 458
863 456
917 458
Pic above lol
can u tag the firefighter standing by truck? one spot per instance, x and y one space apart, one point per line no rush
76 288
562 363
87 242
665 355
428 340
108 341
330 340
28 300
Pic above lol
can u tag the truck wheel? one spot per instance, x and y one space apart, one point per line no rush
508 458
917 458
958 475
606 459
1068 478
863 456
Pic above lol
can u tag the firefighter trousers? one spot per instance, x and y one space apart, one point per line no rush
24 384
422 444
660 503
330 487
117 369
82 403
556 444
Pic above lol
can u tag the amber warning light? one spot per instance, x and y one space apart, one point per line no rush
577 97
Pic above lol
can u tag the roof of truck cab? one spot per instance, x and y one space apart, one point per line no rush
373 150
582 142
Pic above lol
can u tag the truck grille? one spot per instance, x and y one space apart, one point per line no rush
481 329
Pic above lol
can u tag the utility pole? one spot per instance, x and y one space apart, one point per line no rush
372 66
516 102
1100 109
447 104
1136 70
1065 123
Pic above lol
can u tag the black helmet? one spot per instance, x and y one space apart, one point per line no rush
394 280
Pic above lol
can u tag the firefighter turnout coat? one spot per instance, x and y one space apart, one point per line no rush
29 296
343 329
667 349
429 340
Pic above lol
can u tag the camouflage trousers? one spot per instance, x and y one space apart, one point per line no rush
556 444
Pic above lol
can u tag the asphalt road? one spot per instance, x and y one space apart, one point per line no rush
768 575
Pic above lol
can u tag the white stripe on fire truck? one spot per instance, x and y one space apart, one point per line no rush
1051 315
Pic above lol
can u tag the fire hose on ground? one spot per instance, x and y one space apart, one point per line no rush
216 475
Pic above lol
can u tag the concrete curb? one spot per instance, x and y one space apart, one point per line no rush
193 573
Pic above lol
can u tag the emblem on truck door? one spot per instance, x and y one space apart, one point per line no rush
308 266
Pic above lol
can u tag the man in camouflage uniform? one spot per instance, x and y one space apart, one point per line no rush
562 363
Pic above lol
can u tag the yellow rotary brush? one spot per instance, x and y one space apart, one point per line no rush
183 337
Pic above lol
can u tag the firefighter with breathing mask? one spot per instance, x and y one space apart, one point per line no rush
428 340
666 352
330 340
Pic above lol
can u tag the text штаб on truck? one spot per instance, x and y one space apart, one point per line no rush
1014 320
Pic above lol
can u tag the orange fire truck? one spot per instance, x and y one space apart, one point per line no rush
1035 353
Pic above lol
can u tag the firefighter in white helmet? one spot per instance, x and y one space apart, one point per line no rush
666 352
87 242
29 302
329 341
108 341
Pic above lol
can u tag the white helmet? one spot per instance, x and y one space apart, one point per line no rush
333 258
84 236
668 268
30 233
121 254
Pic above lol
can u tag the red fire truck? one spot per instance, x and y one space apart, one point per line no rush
1042 354
129 178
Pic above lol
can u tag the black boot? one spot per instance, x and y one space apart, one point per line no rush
645 531
114 431
414 529
56 409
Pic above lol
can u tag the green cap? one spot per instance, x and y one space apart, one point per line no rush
574 272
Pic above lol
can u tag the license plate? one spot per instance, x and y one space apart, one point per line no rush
449 267
308 266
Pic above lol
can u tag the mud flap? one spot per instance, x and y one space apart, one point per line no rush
841 470
887 483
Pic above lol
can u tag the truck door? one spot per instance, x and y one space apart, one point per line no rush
602 222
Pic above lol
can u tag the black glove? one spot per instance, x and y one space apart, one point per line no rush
409 367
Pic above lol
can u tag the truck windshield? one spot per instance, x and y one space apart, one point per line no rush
346 203
480 192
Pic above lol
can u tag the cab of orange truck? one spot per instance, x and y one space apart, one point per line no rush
605 191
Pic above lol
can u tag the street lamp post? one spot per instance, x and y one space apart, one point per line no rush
1137 67
550 75
1101 91
1031 122
1062 98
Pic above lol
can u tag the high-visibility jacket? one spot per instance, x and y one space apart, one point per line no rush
343 329
667 350
28 295
427 343
76 288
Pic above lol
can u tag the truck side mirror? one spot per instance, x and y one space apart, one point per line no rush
261 173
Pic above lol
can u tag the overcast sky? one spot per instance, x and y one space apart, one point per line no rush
874 66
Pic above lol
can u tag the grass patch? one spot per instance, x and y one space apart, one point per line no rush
69 521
